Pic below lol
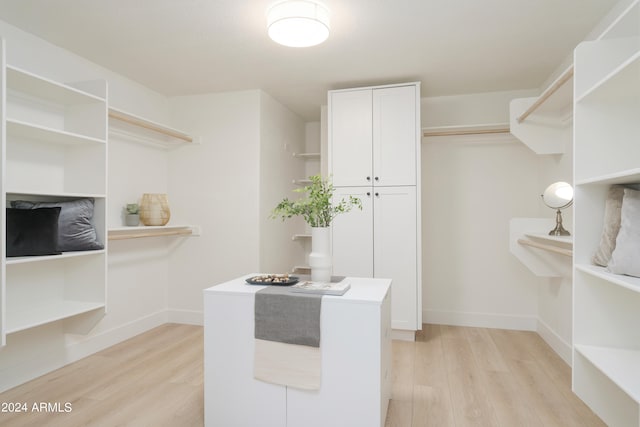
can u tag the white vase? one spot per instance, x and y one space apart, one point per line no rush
320 256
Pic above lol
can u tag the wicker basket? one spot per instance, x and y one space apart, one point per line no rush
154 209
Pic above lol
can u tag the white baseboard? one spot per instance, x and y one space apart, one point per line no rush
555 341
480 320
187 317
499 321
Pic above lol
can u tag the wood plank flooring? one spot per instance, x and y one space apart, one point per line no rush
451 376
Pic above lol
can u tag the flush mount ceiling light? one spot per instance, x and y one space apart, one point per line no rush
298 23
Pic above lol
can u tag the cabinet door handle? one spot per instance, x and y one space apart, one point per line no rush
368 193
376 178
368 178
377 194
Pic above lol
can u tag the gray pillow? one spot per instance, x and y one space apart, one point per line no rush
75 223
625 258
611 226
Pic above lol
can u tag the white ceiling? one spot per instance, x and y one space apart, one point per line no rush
180 47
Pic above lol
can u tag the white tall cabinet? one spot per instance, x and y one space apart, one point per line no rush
374 154
606 355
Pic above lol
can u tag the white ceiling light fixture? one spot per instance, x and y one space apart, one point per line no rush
298 23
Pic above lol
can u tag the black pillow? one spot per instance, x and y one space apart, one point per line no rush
32 232
75 225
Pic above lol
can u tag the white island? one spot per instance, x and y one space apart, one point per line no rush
355 352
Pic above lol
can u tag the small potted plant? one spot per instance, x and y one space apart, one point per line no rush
132 218
318 211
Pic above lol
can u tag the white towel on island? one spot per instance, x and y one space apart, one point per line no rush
291 365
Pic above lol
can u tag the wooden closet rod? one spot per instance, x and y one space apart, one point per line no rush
564 77
150 234
148 125
550 248
462 131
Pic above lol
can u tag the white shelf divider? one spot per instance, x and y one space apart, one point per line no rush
46 312
622 366
33 131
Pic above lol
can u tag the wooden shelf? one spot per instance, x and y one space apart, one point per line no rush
45 312
301 181
302 269
307 156
300 236
123 233
546 247
530 243
132 126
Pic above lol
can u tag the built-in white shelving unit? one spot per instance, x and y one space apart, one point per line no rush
55 149
312 167
606 353
146 131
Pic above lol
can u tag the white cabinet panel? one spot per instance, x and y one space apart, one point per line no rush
395 231
394 136
374 146
350 130
352 239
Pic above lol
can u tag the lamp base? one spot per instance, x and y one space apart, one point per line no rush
559 230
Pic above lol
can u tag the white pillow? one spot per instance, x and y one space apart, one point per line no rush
625 258
611 226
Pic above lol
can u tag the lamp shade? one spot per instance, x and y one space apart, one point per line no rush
298 23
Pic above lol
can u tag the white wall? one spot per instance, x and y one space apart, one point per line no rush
471 187
555 294
214 185
282 133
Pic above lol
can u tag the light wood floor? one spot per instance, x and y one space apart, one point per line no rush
451 376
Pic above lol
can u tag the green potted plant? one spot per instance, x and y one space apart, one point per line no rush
132 218
318 210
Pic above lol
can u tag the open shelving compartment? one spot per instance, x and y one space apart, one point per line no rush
55 145
606 356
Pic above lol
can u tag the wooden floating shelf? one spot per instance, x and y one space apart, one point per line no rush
307 155
123 233
546 247
300 236
172 134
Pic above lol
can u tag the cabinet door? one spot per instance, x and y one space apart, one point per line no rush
395 251
350 138
395 136
352 236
